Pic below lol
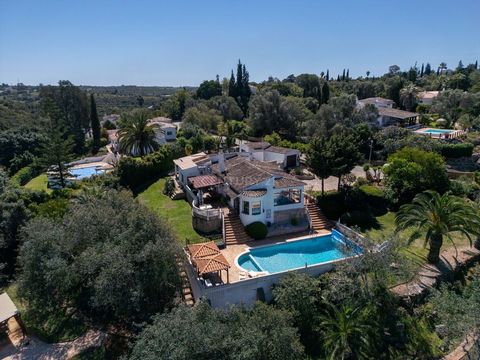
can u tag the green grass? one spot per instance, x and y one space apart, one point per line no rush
38 183
177 212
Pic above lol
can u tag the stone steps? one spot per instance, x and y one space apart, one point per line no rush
234 231
319 220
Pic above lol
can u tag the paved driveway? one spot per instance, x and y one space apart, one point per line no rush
331 183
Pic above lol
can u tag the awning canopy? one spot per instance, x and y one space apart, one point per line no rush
203 250
207 258
7 308
211 264
204 181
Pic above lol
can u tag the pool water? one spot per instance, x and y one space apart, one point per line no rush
86 172
438 131
297 254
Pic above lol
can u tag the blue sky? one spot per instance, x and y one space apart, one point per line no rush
184 42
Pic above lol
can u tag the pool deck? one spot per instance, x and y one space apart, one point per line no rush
100 164
231 252
440 133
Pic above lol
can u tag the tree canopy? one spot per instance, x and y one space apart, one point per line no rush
108 259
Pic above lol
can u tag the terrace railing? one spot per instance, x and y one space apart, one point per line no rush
206 213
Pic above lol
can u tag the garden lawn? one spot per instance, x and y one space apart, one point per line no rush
38 183
177 212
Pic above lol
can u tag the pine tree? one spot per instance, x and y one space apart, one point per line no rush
428 69
94 124
421 71
57 149
325 93
327 77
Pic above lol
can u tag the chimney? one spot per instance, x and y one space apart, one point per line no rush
221 162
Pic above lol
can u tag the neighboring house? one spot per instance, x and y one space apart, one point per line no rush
167 132
263 151
427 97
378 102
113 118
387 114
113 139
388 117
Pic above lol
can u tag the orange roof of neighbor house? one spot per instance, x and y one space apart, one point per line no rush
203 181
202 250
211 264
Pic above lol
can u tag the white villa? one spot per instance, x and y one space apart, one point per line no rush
427 97
167 132
387 114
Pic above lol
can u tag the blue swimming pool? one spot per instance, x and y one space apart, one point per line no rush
438 131
297 254
86 172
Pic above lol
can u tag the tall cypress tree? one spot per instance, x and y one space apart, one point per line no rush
428 69
231 87
94 124
245 90
348 74
327 77
343 75
421 71
325 93
476 64
338 77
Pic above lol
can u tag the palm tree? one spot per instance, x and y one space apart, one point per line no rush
136 135
344 333
408 97
437 216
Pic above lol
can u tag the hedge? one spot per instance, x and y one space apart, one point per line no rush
23 176
332 204
257 230
135 171
457 150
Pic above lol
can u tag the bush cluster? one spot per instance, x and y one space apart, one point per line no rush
457 150
257 230
134 172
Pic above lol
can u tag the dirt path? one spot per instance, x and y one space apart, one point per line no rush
37 349
429 275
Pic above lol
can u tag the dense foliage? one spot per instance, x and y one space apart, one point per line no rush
202 333
410 171
108 258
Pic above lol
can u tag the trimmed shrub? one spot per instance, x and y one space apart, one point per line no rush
363 219
169 187
375 199
257 230
135 171
23 176
332 204
457 150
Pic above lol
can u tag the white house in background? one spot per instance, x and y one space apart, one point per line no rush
167 132
387 114
263 151
427 97
377 101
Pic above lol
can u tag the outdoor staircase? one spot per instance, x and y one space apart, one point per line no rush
234 231
187 294
178 193
319 220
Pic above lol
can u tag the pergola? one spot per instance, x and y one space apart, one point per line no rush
207 258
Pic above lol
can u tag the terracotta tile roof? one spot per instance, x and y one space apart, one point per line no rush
211 264
257 145
396 113
241 173
202 250
287 182
254 193
203 181
377 100
279 150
